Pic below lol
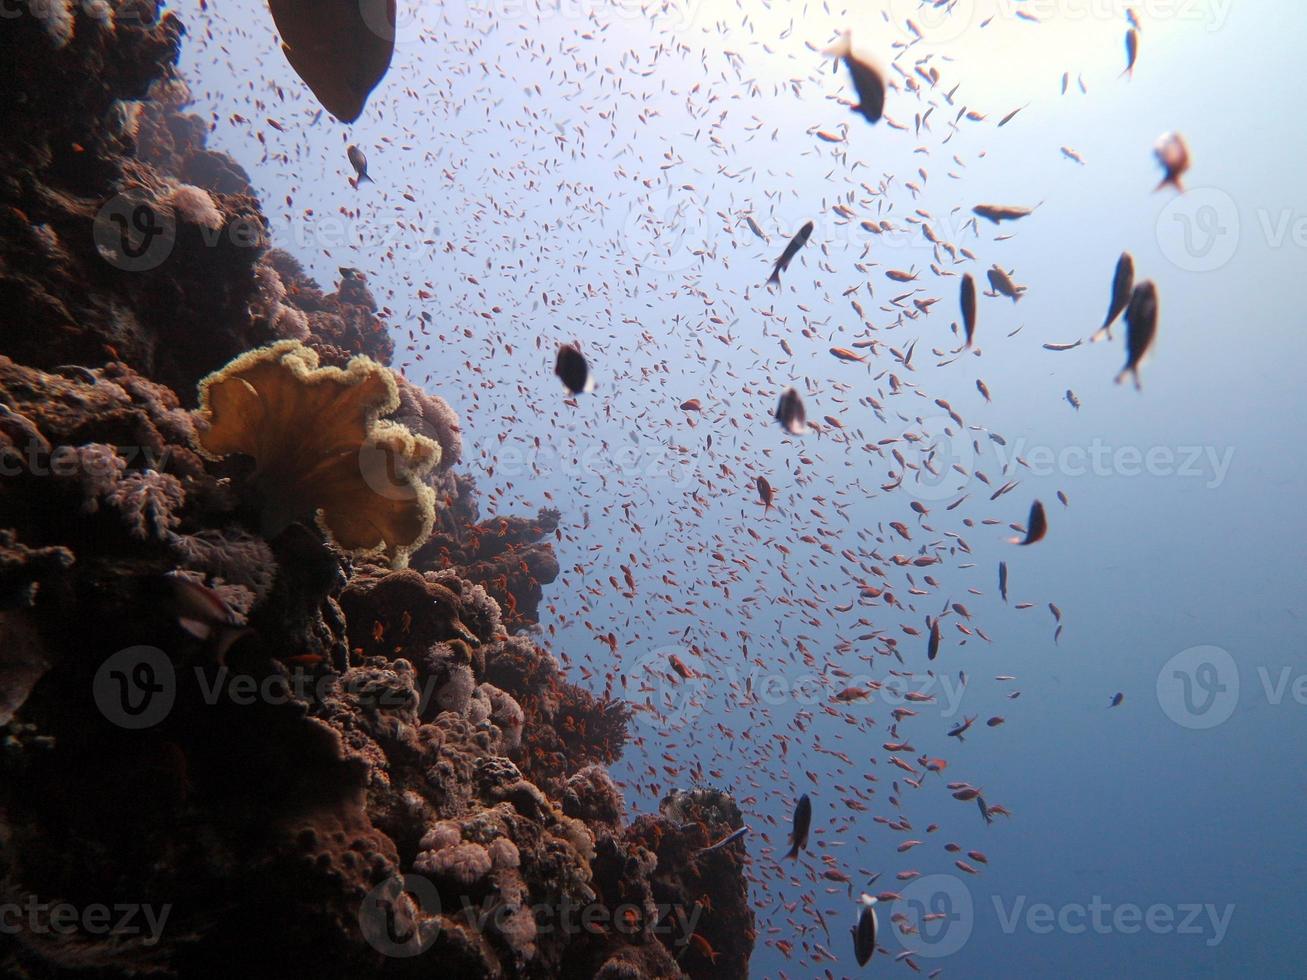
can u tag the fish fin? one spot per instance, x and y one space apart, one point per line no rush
227 638
198 628
1134 372
841 48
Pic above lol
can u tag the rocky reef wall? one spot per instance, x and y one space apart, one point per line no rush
262 752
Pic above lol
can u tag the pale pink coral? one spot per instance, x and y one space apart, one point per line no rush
465 863
442 835
503 853
147 500
433 417
195 206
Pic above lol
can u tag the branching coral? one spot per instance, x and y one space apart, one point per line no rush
321 447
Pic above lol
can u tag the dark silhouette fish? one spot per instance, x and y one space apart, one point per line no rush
1123 281
1131 51
360 164
790 413
866 79
1002 580
932 648
1036 525
1140 329
1117 698
864 933
765 493
791 250
573 369
340 48
968 300
802 821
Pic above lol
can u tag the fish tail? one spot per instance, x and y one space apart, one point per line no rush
365 179
775 278
1133 371
1170 182
226 639
841 48
794 851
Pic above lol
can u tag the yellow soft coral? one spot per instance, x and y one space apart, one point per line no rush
322 448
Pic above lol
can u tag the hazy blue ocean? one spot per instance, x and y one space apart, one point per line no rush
581 171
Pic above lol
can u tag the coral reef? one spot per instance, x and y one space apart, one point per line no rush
295 759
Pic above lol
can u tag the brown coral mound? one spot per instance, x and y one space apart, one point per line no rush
512 556
319 446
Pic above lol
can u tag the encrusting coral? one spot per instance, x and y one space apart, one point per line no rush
321 446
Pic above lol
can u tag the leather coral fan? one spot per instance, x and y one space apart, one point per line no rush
322 447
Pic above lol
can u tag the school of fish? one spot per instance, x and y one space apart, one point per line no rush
763 415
